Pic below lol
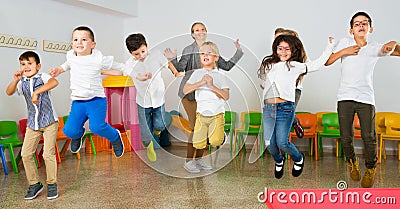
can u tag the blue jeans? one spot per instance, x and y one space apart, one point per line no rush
277 121
150 119
95 110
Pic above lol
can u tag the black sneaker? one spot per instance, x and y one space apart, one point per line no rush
298 167
118 146
33 191
279 169
52 191
76 145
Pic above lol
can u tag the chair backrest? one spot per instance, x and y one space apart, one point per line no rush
22 126
230 120
9 130
380 121
308 121
330 121
320 127
60 133
392 123
252 121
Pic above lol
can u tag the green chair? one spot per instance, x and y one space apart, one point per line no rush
87 134
331 129
251 126
10 140
230 124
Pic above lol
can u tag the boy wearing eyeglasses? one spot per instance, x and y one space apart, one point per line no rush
356 95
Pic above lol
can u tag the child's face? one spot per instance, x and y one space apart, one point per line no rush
141 53
82 43
29 67
208 58
361 27
199 32
283 50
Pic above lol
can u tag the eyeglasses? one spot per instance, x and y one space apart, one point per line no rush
359 23
283 48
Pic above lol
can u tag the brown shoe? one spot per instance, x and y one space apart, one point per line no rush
355 172
298 128
368 178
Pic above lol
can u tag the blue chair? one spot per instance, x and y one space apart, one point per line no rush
3 159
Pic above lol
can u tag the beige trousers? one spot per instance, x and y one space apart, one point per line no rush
29 148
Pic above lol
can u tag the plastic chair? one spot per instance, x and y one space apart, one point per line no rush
380 127
357 130
22 128
309 123
10 140
3 159
392 123
330 122
251 126
87 134
230 124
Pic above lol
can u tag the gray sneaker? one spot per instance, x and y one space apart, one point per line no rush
52 191
203 165
190 166
76 145
118 146
33 191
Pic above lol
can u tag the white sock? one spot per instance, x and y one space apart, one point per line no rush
280 167
298 167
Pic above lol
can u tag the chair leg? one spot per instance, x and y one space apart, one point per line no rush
13 160
384 150
3 160
65 147
380 149
316 147
93 147
58 157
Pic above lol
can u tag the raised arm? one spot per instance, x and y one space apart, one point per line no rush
351 50
227 65
52 83
12 87
396 50
318 63
180 65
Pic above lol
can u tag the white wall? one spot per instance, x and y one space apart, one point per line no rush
253 22
50 20
167 24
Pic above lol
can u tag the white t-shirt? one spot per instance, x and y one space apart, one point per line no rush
208 103
150 93
281 82
86 79
357 72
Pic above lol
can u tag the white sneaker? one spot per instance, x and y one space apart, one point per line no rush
190 166
203 165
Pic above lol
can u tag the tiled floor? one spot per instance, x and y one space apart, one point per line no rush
104 181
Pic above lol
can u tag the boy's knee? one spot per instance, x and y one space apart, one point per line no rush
200 145
71 133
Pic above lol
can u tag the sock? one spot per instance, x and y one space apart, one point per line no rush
296 167
280 167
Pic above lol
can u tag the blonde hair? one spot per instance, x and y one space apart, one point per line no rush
213 47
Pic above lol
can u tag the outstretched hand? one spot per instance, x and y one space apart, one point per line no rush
388 47
169 54
237 45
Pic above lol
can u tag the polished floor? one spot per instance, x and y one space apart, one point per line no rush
103 181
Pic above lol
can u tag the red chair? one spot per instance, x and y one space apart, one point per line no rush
22 129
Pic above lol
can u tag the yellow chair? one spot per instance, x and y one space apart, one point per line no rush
380 122
392 123
251 126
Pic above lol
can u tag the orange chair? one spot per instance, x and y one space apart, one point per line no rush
309 123
392 123
61 137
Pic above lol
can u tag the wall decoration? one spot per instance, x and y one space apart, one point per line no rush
55 46
13 41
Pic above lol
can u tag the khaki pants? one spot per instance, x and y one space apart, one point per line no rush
208 127
29 148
